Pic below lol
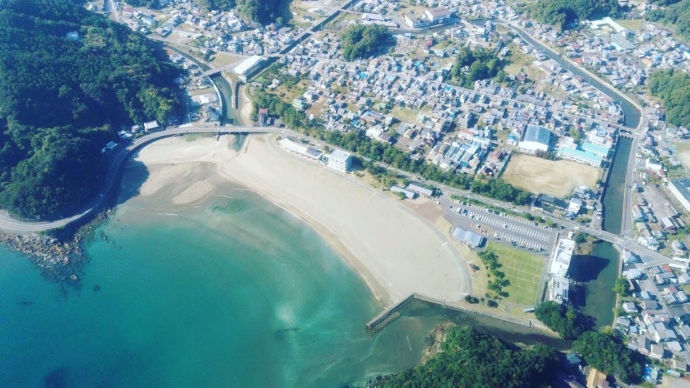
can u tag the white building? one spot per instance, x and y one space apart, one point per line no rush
338 160
536 139
559 284
560 263
247 66
151 126
437 15
681 190
300 148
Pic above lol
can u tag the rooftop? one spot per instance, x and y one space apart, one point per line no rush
683 187
537 134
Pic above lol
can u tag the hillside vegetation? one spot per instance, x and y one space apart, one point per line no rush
68 78
677 14
564 12
474 65
673 88
471 359
365 41
260 11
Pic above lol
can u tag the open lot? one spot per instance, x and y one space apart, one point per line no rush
683 154
522 269
555 177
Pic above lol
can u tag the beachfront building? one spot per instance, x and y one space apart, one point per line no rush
559 284
473 240
407 193
536 139
300 148
681 190
421 190
338 160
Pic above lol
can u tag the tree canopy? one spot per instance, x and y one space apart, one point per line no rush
610 355
562 319
564 12
673 88
677 14
67 78
471 359
260 11
364 41
153 4
474 65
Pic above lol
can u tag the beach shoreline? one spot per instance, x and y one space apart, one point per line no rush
394 251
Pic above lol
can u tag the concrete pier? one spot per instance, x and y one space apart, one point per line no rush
391 313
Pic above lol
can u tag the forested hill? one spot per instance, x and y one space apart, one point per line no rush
68 79
260 11
471 359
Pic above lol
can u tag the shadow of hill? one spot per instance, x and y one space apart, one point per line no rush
126 186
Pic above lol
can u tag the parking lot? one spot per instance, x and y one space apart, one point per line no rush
493 225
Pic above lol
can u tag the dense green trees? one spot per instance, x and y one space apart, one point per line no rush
260 11
610 355
673 88
677 14
67 77
364 41
153 4
222 5
474 65
564 12
497 278
562 319
471 359
620 287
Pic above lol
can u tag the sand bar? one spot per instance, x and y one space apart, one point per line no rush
396 251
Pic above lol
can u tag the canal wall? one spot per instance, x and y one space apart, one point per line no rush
614 186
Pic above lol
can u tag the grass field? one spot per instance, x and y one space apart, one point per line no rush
524 271
683 154
555 177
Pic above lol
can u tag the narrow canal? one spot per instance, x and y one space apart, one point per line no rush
596 272
228 115
595 275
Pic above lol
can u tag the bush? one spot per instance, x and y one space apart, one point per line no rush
608 354
563 319
364 41
471 359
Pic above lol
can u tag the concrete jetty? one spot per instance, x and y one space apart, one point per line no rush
391 313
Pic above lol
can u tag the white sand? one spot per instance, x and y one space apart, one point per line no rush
194 192
396 251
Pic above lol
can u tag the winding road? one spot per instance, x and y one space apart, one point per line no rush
122 154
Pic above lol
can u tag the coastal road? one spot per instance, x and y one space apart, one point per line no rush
122 154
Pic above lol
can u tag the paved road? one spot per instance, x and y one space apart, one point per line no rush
13 225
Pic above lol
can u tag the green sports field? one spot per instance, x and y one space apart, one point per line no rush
524 271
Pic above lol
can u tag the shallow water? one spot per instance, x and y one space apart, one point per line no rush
233 292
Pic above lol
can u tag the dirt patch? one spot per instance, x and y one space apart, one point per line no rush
555 177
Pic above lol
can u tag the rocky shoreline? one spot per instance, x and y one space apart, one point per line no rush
60 257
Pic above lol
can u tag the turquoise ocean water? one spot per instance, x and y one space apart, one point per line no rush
233 292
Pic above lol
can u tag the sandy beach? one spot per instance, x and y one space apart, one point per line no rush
395 250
